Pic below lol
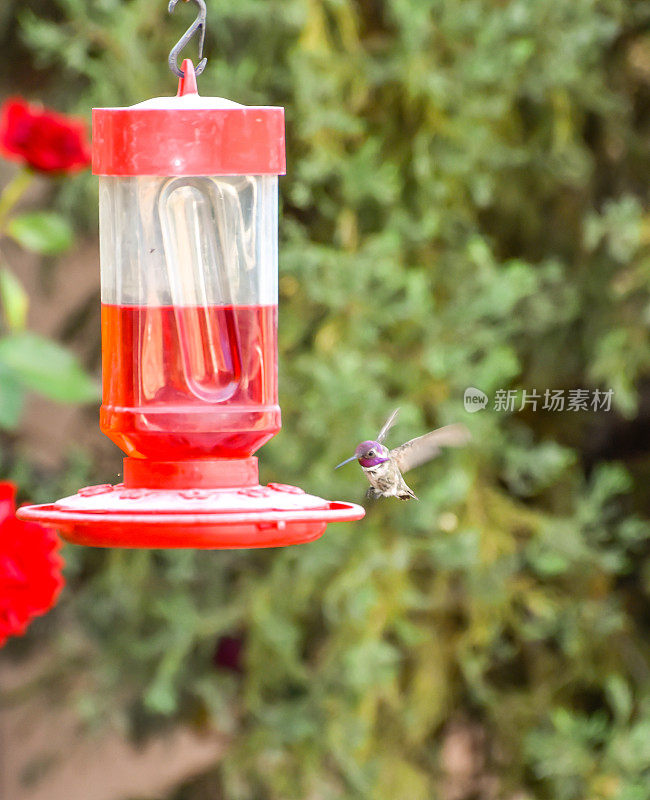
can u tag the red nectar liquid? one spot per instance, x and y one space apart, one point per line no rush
189 382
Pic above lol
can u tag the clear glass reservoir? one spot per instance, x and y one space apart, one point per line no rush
189 314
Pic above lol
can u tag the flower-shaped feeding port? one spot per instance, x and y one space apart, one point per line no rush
188 237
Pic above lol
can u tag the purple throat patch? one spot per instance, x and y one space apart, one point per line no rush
372 462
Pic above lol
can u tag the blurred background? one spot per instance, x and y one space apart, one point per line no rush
466 205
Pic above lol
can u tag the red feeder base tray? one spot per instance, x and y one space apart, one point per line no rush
208 518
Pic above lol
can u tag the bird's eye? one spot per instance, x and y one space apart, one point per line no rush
371 453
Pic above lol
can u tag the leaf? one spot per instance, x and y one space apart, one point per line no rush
160 698
47 368
14 300
43 232
12 396
399 778
619 696
370 663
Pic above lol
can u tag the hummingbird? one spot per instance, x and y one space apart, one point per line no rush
384 467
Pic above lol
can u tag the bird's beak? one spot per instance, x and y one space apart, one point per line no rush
347 461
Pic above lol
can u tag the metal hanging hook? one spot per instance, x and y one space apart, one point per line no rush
197 25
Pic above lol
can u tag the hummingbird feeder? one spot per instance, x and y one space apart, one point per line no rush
188 241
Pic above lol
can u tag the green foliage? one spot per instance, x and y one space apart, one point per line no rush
14 301
464 206
45 367
12 398
29 362
42 232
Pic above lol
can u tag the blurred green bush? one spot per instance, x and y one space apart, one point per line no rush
465 205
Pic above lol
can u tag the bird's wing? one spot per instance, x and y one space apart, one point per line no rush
424 448
387 426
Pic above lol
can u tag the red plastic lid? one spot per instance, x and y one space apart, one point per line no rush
253 516
210 504
189 135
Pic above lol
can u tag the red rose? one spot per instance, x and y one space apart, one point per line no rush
30 568
43 139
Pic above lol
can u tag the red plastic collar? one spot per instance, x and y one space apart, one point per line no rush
183 138
202 473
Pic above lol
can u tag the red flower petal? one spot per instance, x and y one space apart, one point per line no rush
30 568
43 139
